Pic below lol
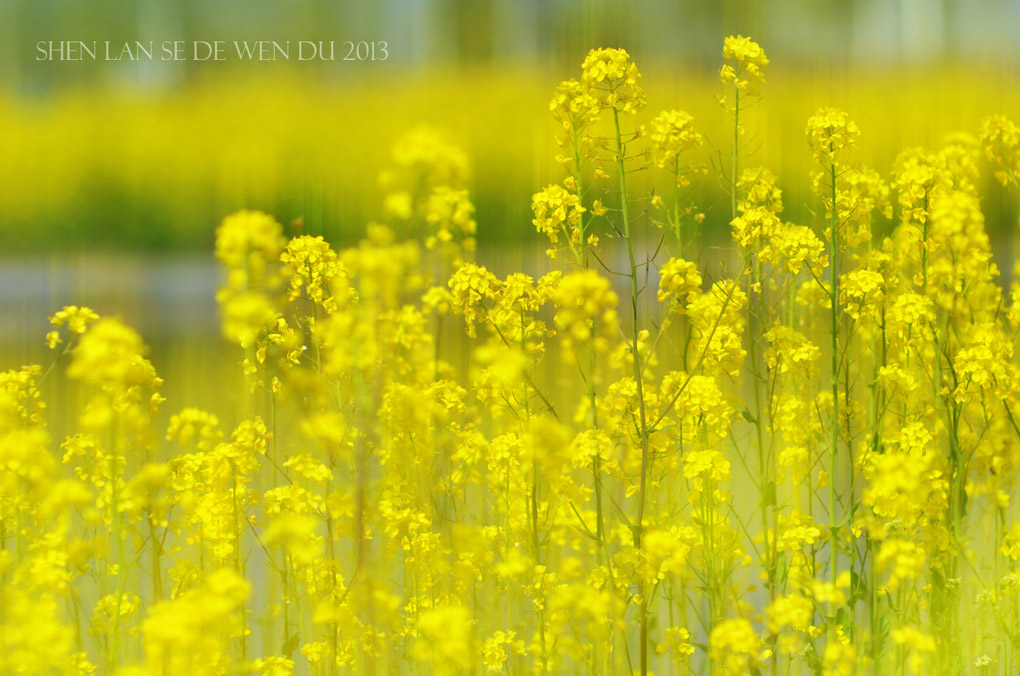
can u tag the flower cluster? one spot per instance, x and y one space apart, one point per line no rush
749 61
830 133
611 78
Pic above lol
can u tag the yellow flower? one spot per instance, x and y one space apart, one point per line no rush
612 78
424 156
1001 140
758 188
793 610
789 350
829 133
860 292
109 356
33 639
717 319
558 212
672 134
250 238
755 227
1011 543
795 246
917 643
21 403
191 633
839 659
498 648
748 59
665 551
445 638
274 666
313 267
76 318
451 214
195 429
910 319
573 106
903 560
675 643
701 403
679 282
734 646
796 531
470 286
705 464
585 301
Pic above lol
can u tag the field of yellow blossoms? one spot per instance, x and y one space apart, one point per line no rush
793 454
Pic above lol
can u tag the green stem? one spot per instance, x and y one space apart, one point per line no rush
535 540
157 576
834 426
768 488
118 540
736 152
643 431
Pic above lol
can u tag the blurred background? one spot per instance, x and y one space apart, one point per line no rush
114 176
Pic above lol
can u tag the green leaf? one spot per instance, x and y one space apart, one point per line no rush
848 516
781 569
858 587
291 645
883 632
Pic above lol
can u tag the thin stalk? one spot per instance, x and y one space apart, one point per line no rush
118 540
736 152
157 576
708 520
535 540
834 426
767 501
643 431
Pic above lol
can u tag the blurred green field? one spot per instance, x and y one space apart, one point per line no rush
105 168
